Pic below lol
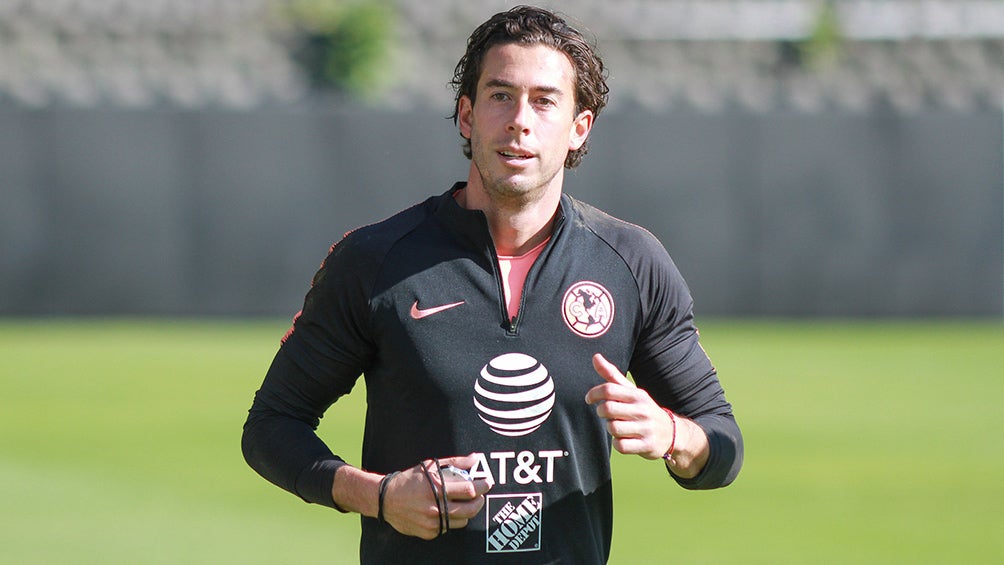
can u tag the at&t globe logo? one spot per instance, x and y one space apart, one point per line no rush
514 394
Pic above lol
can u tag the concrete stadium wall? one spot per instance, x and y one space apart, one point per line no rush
164 212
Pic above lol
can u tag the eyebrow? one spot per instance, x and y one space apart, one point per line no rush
499 83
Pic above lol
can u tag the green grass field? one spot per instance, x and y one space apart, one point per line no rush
866 442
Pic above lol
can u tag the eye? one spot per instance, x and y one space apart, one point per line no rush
546 102
499 96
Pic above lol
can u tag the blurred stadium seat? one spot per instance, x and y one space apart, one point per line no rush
707 55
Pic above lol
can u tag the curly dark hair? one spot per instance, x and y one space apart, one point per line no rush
527 25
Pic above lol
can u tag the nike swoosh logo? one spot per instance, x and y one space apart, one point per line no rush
418 313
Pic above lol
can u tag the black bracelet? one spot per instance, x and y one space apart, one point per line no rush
435 493
383 490
446 508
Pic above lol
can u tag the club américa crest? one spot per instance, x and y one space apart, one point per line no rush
588 309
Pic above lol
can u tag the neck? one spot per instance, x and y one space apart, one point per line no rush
516 234
517 224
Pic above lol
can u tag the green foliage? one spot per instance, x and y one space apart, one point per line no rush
824 43
341 44
865 443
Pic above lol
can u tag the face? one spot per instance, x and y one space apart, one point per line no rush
523 124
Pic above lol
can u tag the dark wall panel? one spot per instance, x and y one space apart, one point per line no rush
161 212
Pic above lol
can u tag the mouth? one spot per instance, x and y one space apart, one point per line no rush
515 154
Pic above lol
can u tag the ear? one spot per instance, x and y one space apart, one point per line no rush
465 110
581 126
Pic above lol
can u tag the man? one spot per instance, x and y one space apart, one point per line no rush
494 325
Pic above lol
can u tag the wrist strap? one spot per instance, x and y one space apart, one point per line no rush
426 469
668 456
383 490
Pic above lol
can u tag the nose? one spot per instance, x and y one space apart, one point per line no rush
521 116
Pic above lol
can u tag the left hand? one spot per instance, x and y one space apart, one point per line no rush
636 422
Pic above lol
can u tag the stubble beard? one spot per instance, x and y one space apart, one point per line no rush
507 191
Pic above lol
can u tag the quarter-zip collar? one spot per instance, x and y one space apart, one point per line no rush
470 228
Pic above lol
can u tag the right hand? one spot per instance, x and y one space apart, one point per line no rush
409 505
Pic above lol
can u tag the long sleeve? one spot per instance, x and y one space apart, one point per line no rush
320 360
279 439
669 362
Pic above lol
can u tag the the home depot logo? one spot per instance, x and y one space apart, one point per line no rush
513 522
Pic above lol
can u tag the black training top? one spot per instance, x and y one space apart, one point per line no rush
416 304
